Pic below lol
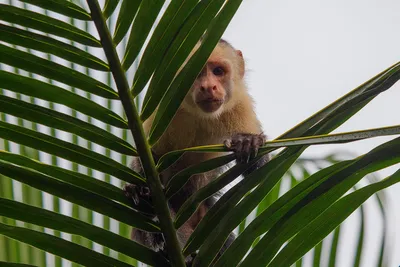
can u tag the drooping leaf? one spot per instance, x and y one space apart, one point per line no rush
334 247
11 264
68 151
169 158
51 70
360 241
126 15
164 33
178 180
83 181
322 196
60 247
52 93
50 45
79 196
193 202
317 255
40 22
48 219
109 7
62 7
328 220
64 122
141 27
270 174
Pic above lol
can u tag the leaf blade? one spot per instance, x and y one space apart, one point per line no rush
125 18
83 181
171 21
141 27
50 45
324 195
62 7
51 70
40 22
331 217
79 196
109 7
64 122
48 219
52 93
68 151
58 246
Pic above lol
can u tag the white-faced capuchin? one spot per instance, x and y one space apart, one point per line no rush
217 109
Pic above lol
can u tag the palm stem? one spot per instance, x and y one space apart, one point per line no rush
135 125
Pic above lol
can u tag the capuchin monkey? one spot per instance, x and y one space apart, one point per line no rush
217 109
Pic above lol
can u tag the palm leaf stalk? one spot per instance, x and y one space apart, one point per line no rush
137 131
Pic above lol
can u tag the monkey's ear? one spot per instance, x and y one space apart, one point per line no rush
241 63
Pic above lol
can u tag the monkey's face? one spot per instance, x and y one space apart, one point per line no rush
214 86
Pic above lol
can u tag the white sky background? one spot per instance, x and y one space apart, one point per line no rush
303 55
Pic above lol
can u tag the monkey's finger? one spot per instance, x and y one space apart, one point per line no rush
130 192
228 143
246 158
190 259
246 150
145 191
254 147
238 151
262 139
135 197
125 189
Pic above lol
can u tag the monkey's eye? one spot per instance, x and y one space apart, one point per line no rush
218 71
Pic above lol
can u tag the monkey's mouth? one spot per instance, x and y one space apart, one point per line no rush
210 104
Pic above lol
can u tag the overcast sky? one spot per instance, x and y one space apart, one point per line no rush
304 54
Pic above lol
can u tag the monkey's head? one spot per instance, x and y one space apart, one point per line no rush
219 84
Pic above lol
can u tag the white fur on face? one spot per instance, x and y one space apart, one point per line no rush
226 57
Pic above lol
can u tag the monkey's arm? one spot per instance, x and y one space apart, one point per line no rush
137 194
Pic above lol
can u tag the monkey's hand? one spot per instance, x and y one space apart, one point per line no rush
137 193
245 146
190 259
155 241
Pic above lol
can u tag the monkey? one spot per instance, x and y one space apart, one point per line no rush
217 109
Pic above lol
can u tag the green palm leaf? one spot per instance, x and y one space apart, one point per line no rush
63 7
327 220
46 24
50 45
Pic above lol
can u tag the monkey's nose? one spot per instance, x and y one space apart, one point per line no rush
208 89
